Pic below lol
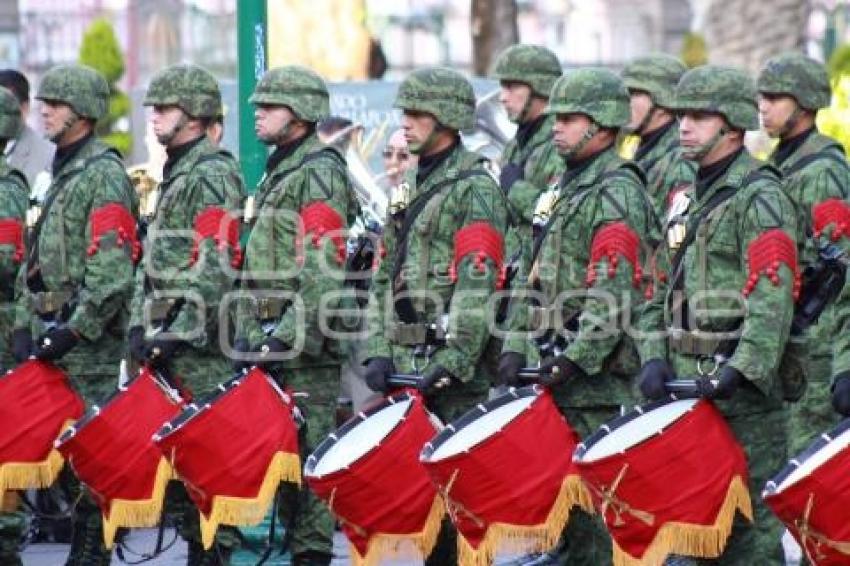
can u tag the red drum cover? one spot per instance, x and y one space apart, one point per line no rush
513 488
677 491
113 453
384 498
36 403
814 503
234 451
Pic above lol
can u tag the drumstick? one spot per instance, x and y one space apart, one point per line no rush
686 386
398 380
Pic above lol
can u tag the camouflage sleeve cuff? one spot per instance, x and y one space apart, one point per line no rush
84 324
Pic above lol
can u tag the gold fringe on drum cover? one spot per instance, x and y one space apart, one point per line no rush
32 475
704 541
535 538
138 513
239 511
383 546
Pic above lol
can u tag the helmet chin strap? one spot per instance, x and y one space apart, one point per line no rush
69 122
639 129
280 137
572 152
700 151
790 122
422 148
526 107
168 136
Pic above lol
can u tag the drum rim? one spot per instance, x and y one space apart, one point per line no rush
618 422
822 440
97 409
332 439
195 409
511 395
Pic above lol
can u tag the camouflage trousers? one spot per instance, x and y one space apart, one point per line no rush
87 548
813 414
307 519
12 525
188 519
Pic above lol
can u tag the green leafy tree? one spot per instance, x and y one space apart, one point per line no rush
694 50
100 50
835 120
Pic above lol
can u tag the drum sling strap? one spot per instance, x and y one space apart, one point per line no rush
404 306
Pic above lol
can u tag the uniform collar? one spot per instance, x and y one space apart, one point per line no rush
428 163
787 147
65 154
649 141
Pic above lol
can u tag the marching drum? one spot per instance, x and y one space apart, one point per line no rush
811 495
232 451
368 472
505 472
36 403
112 452
667 478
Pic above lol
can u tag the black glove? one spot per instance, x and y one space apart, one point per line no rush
510 174
136 342
653 379
435 378
509 365
159 351
558 369
377 372
56 343
270 350
722 388
240 348
22 346
841 393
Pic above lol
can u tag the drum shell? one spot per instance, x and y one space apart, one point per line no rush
815 508
227 448
36 403
386 491
114 454
514 476
692 475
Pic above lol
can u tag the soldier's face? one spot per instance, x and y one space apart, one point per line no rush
706 137
418 129
167 121
271 122
568 131
640 104
55 117
775 109
514 97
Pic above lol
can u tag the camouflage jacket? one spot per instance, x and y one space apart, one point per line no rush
601 212
737 279
83 247
446 269
14 202
666 172
817 177
192 244
297 246
542 167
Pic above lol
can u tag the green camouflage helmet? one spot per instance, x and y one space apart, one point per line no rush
189 87
80 87
724 90
596 93
657 74
533 65
298 88
10 115
441 92
799 76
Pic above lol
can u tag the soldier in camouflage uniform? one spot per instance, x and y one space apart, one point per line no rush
599 235
191 253
792 88
728 301
296 253
530 163
427 313
76 284
14 200
651 81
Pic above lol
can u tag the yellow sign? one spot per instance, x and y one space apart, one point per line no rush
329 36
